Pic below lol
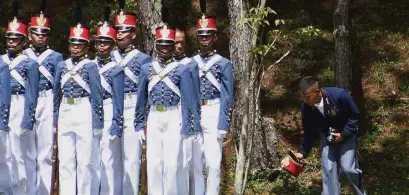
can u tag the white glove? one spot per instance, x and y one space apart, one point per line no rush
141 135
96 133
113 138
197 134
24 132
222 134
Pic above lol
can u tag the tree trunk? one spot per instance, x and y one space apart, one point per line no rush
240 45
149 16
246 68
342 25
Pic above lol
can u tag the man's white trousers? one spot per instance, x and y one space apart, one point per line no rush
78 150
44 141
131 149
192 171
212 145
23 150
111 156
163 149
5 163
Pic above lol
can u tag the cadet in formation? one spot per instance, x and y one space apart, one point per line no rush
80 116
47 59
5 150
19 137
164 87
131 59
216 90
192 144
112 81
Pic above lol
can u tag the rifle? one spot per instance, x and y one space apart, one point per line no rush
144 174
54 159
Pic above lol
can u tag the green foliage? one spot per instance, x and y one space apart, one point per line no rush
327 77
283 184
309 32
233 159
380 50
262 49
257 17
278 21
373 135
307 35
379 76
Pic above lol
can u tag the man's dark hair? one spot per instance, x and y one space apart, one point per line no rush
180 27
307 82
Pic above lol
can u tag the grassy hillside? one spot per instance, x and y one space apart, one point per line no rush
380 64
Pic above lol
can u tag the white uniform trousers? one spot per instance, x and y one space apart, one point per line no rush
192 171
212 145
23 150
131 149
111 157
78 152
5 163
164 142
44 141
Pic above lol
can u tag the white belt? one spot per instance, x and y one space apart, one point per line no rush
107 101
17 97
210 102
74 101
45 93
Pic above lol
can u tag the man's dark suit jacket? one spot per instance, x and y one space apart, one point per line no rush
340 113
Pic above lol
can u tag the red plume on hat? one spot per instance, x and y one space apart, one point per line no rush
40 23
205 25
16 28
79 33
165 35
106 31
124 21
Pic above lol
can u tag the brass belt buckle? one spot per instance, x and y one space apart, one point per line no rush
203 102
70 101
160 108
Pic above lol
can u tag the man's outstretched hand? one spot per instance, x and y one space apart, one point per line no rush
299 155
338 137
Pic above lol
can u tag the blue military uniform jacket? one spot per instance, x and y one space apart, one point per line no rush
5 96
159 93
24 80
112 81
88 72
48 61
216 81
195 96
340 113
131 60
